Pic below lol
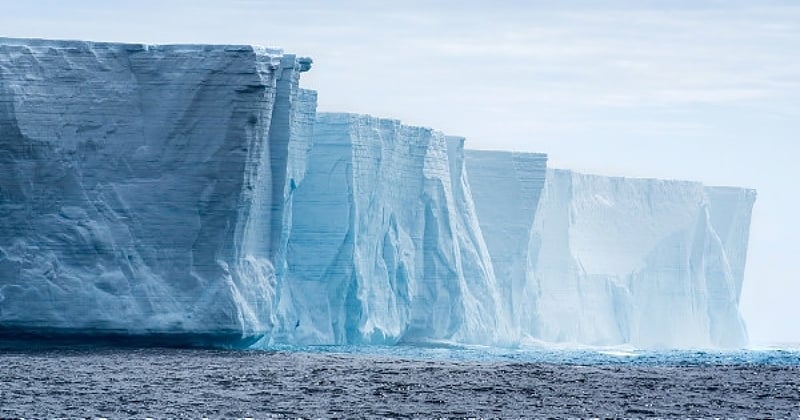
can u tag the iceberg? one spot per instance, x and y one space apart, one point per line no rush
636 261
142 187
384 245
506 188
192 195
609 261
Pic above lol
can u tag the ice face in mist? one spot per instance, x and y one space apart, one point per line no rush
506 188
611 261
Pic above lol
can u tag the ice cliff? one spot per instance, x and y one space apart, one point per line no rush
610 261
142 187
506 188
637 261
385 245
191 195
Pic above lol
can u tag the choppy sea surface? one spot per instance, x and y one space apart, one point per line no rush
395 382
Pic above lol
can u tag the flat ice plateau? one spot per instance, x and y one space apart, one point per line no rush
191 194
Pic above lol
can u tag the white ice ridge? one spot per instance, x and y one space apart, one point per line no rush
142 186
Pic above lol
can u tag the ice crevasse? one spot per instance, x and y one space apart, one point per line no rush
191 194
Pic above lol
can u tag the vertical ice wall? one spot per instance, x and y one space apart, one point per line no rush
385 245
600 260
506 187
132 182
731 209
163 190
636 261
301 130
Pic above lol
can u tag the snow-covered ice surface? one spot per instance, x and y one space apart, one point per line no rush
142 186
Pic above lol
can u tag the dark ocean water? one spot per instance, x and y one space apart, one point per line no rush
344 382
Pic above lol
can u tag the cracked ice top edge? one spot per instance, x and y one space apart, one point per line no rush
666 181
356 119
272 53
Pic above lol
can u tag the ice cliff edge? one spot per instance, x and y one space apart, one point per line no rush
385 246
597 260
142 187
191 195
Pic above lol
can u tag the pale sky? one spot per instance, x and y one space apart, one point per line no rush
705 90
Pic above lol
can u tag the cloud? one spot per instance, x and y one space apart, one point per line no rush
634 58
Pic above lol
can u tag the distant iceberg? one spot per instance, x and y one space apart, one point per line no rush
610 261
191 195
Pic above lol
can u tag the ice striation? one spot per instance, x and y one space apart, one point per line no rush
385 246
191 195
142 187
637 261
506 187
611 261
